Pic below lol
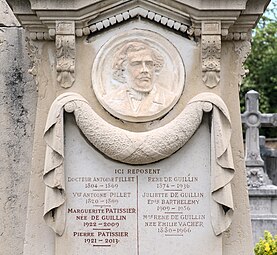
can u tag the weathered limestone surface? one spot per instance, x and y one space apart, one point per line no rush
7 19
18 98
241 225
263 203
63 53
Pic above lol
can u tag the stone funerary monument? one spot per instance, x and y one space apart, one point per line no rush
138 146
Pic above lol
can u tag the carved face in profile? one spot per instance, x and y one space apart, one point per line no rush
140 70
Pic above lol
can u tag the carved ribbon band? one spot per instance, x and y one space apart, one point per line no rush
139 148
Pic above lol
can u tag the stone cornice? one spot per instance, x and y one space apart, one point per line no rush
40 17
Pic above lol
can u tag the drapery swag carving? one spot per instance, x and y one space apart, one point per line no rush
139 148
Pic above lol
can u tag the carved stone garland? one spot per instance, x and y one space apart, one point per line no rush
139 148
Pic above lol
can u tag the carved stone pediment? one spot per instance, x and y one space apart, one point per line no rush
191 18
194 45
40 16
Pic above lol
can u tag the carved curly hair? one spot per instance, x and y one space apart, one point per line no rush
120 61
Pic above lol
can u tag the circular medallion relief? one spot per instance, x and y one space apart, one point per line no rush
138 76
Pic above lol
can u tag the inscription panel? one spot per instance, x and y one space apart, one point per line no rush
115 208
260 205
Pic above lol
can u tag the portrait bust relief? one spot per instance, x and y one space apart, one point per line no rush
138 76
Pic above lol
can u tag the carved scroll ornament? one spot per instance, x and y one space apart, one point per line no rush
66 51
211 51
139 148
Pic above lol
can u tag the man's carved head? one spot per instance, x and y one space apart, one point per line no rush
136 64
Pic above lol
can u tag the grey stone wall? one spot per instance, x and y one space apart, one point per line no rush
18 98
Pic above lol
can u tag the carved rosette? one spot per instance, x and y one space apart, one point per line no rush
211 50
65 51
255 177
